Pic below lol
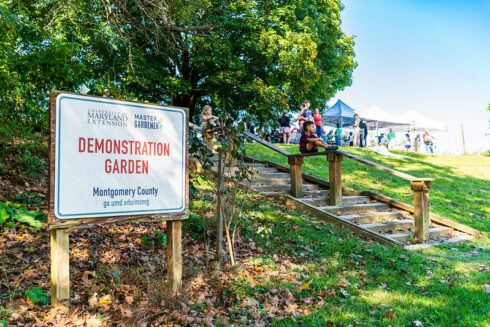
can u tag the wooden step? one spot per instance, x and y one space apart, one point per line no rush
275 188
274 193
346 200
255 170
357 208
439 242
271 181
275 175
374 217
434 233
314 194
307 194
261 170
391 226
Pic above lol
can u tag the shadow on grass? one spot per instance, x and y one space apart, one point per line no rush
441 287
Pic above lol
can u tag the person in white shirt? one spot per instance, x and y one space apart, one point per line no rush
357 130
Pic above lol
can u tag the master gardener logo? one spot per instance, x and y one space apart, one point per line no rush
147 121
107 118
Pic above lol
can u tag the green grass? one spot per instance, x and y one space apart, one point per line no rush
368 284
461 190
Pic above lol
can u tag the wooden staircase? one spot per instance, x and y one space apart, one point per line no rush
366 213
372 217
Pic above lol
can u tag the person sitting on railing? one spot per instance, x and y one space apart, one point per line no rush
208 123
309 142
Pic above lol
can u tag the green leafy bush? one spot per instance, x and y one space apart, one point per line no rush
37 295
29 198
161 238
158 239
197 226
14 214
146 240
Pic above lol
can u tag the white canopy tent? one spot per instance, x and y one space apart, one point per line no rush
420 122
377 118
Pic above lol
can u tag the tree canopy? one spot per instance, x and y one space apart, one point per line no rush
254 57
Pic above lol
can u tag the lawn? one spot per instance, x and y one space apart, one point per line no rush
313 273
461 190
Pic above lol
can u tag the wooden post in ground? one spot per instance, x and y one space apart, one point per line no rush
462 135
335 178
421 209
174 254
296 174
60 267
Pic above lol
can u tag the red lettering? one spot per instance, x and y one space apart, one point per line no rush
123 166
130 167
166 149
159 149
81 144
145 166
145 150
137 146
108 166
138 166
108 146
99 145
131 147
125 147
115 168
90 145
117 146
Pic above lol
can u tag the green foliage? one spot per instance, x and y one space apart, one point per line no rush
161 238
196 225
12 215
37 295
158 239
147 240
258 57
29 198
30 163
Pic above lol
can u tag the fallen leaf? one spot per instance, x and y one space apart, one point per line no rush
303 286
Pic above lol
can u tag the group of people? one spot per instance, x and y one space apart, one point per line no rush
426 138
312 133
408 145
310 127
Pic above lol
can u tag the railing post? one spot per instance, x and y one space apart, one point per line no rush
421 209
296 174
335 178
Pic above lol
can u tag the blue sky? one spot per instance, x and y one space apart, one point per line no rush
430 56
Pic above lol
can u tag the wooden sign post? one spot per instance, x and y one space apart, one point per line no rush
115 161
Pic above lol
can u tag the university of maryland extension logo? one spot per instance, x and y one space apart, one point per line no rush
107 118
147 121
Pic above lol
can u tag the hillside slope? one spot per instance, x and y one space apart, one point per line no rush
460 192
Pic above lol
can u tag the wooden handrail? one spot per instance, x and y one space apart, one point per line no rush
366 162
384 168
310 154
266 144
250 136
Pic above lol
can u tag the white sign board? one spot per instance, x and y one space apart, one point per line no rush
117 158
